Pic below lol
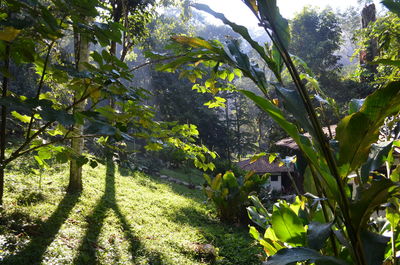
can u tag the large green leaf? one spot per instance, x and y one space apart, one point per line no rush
242 31
294 105
392 5
256 217
230 180
216 182
15 104
268 241
309 183
269 12
374 247
242 61
355 105
293 255
317 234
393 212
379 192
278 60
195 42
252 4
20 117
257 213
259 206
287 226
376 158
48 113
358 131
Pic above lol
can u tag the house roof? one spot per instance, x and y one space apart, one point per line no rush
262 166
290 143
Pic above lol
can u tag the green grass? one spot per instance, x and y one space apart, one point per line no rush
118 219
191 176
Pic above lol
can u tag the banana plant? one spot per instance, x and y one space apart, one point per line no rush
229 193
345 217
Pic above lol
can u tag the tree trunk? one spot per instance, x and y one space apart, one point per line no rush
238 121
77 144
228 150
368 15
260 133
3 125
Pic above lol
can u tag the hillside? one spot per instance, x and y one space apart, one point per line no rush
118 219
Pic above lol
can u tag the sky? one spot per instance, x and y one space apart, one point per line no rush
238 12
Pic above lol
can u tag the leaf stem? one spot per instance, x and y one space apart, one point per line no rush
39 89
393 245
324 210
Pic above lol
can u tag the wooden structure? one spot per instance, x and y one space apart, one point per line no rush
279 179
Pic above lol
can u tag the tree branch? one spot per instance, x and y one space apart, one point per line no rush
156 61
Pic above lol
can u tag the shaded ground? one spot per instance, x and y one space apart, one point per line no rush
116 220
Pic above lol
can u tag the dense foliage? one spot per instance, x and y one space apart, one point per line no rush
347 217
315 37
38 36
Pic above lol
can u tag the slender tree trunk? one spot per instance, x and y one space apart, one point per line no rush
228 148
3 124
238 135
260 133
77 144
116 17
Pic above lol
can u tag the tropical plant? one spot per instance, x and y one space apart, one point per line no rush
346 216
230 193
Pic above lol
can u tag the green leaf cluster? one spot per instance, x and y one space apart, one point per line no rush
229 193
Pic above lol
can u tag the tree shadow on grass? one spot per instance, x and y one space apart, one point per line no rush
234 243
196 195
34 251
88 247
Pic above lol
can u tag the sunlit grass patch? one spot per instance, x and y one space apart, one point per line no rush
117 219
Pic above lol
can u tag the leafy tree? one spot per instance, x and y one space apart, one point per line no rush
134 16
174 98
77 144
31 34
176 101
316 37
350 23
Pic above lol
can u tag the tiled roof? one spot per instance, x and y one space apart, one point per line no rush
262 165
289 142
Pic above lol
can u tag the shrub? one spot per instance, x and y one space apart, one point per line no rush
230 194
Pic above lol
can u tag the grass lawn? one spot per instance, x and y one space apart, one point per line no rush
118 219
191 176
